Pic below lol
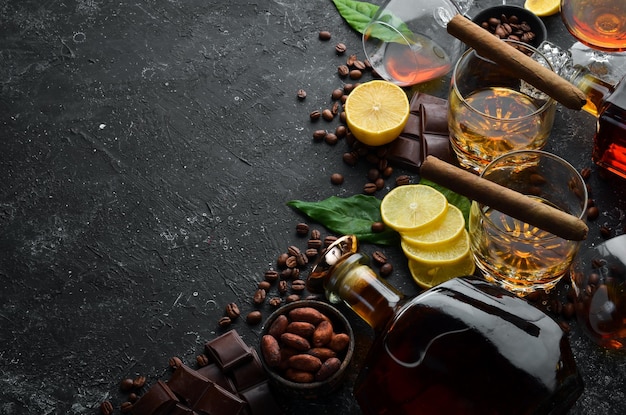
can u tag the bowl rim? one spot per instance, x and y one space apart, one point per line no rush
495 11
336 315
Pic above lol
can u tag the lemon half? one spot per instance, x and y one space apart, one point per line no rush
376 112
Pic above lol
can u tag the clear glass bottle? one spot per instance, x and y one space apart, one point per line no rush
463 347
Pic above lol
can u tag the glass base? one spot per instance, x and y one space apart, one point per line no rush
607 66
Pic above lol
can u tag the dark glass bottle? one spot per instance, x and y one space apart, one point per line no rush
463 347
608 103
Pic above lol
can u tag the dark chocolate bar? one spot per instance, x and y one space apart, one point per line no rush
228 350
425 133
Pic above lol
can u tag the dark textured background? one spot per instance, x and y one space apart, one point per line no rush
147 149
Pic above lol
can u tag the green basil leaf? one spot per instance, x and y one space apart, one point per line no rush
356 13
353 215
462 202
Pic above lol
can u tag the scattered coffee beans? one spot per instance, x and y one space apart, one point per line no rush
324 35
336 178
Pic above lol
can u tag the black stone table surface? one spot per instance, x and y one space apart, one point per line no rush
147 152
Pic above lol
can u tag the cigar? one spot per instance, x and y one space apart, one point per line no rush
503 199
526 68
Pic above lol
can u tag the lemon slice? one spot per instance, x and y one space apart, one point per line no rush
543 8
429 275
412 206
439 255
376 112
439 233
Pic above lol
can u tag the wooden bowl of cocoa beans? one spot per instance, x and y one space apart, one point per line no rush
306 347
512 22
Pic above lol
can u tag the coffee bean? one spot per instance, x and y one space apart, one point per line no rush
224 322
126 385
593 213
350 158
370 188
378 227
380 183
302 229
275 301
336 94
293 250
270 275
328 115
335 108
605 232
264 285
292 298
336 178
330 239
298 285
355 74
331 138
126 407
202 360
311 253
324 35
254 317
351 60
318 135
314 243
175 362
232 311
315 115
379 257
340 48
281 260
341 131
343 70
259 296
403 180
292 262
360 65
347 88
282 287
373 174
106 408
386 270
301 94
316 234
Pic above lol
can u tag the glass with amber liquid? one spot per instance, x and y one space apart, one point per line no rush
492 112
465 346
599 282
520 257
407 43
599 24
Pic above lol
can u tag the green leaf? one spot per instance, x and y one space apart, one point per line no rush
462 202
353 215
358 14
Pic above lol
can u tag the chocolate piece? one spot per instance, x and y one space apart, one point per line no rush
181 409
249 373
188 384
434 118
426 133
215 374
228 350
159 399
406 153
260 400
217 400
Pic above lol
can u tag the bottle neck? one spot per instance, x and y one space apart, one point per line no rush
355 283
596 90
